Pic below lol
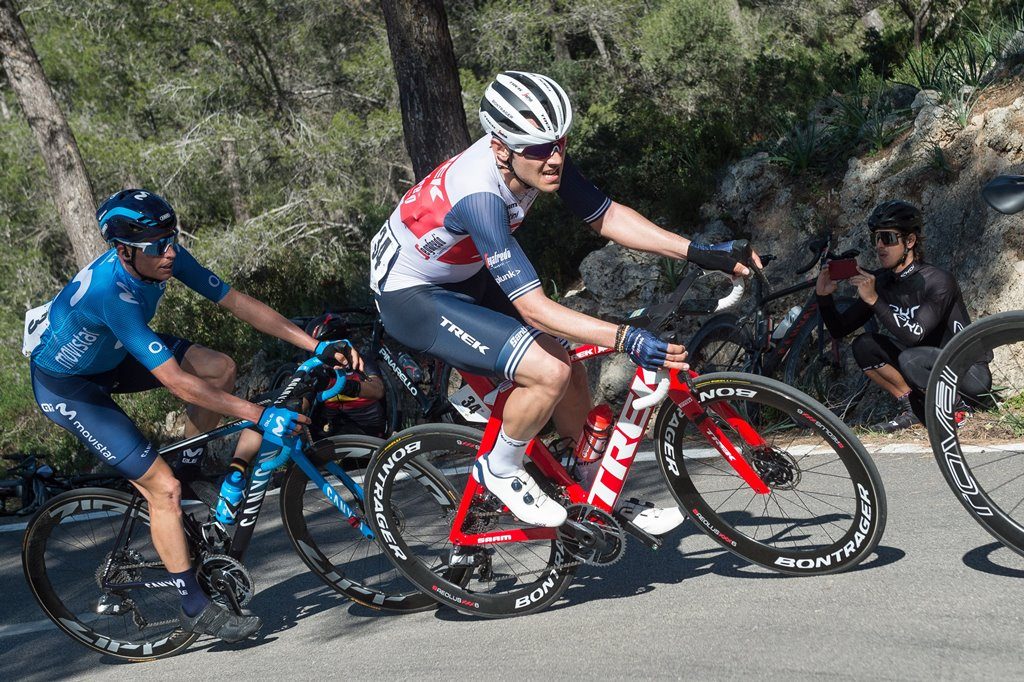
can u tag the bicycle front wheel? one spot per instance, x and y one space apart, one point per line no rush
337 553
825 509
68 548
721 344
979 444
417 481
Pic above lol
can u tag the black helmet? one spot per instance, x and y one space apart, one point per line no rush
896 215
135 216
329 327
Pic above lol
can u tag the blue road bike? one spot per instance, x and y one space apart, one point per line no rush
90 562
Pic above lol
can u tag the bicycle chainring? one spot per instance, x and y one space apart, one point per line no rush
234 575
777 468
592 535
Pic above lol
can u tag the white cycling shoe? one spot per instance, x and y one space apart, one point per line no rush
521 494
651 519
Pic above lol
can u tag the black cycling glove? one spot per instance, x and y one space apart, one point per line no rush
722 257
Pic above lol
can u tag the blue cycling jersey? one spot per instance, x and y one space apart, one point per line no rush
104 312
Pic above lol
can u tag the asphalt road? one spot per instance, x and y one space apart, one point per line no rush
940 599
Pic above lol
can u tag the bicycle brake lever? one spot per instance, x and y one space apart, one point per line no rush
654 397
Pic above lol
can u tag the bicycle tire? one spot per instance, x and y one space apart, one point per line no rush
414 528
319 534
982 458
72 605
814 460
720 344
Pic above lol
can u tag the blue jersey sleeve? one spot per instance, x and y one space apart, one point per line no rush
124 316
484 217
197 278
585 200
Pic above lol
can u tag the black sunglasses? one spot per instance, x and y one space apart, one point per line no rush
887 237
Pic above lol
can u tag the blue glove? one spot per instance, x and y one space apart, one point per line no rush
325 351
278 425
644 348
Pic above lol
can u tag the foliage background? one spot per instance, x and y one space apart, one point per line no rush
666 92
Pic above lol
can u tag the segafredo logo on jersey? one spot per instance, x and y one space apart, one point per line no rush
498 258
433 243
71 352
463 335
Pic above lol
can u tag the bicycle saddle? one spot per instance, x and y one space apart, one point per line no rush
1005 193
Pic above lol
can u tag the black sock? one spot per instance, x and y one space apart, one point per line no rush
903 402
193 601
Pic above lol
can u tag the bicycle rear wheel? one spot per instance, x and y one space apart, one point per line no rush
982 456
825 369
337 553
64 555
720 345
417 482
825 510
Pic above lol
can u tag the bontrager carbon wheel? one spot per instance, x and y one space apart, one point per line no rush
336 552
417 481
826 508
825 369
979 446
64 554
720 344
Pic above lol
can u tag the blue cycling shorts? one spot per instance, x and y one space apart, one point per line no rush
471 325
82 406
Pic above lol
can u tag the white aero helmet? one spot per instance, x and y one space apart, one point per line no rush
515 97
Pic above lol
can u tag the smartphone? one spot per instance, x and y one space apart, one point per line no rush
841 269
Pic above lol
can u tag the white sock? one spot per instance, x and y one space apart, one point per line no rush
507 456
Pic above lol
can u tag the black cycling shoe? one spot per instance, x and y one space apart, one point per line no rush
222 623
904 420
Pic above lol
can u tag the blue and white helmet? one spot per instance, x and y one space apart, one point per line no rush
135 216
516 97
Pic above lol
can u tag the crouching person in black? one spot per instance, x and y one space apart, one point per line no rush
918 304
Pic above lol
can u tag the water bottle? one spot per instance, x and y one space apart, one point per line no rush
786 323
596 432
411 368
231 491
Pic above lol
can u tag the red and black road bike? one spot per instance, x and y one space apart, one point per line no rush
763 469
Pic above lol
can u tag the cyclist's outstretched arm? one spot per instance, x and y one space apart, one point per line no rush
269 321
196 391
623 225
541 312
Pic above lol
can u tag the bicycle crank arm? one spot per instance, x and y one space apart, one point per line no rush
652 541
219 582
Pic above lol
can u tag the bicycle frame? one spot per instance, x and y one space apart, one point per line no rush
645 392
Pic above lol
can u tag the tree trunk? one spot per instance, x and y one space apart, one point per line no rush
230 166
68 179
433 117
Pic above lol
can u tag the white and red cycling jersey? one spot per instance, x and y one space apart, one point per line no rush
460 218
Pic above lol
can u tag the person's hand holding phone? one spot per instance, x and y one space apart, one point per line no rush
843 268
825 286
865 283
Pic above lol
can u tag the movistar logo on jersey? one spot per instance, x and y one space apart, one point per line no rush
72 351
126 294
463 335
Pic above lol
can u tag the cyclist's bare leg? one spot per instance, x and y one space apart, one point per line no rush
890 379
543 377
571 411
163 493
219 370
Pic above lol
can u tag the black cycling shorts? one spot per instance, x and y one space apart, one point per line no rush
471 325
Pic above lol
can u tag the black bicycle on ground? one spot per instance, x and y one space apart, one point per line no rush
90 562
799 350
29 483
418 388
978 441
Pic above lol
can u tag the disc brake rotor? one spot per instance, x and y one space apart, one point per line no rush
777 468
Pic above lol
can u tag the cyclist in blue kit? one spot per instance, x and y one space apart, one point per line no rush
98 342
450 280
